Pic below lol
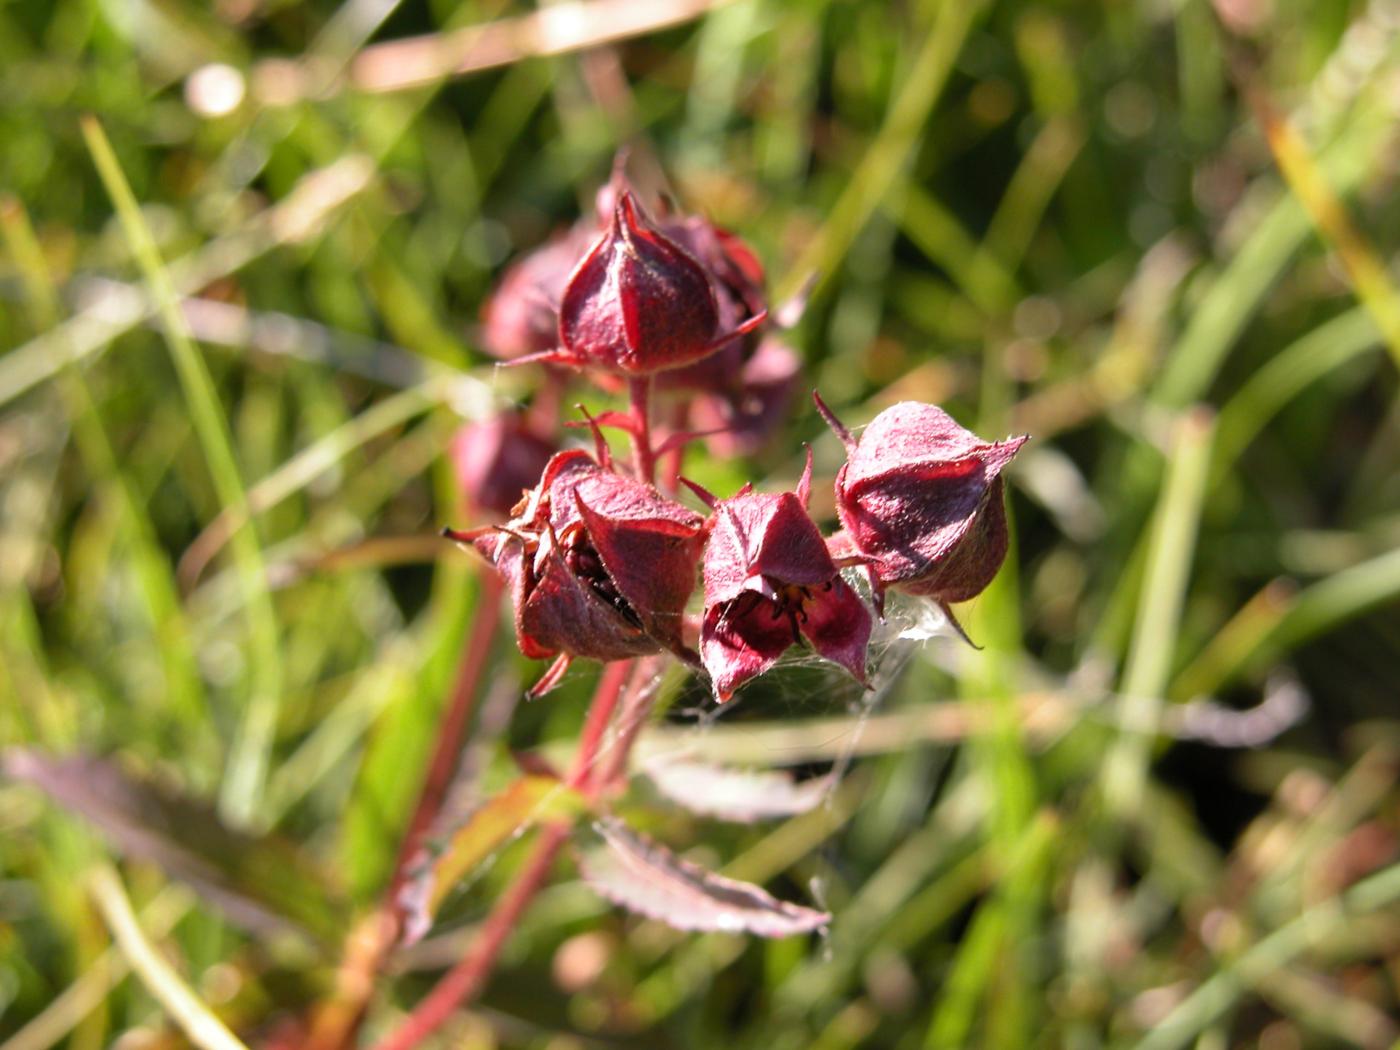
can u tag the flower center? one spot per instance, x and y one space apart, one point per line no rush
586 564
788 602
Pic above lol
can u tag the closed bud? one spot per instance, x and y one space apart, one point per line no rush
639 303
920 498
497 460
522 315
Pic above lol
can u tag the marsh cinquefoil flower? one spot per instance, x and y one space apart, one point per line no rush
599 565
770 582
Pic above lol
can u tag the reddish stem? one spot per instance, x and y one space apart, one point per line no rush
605 697
639 391
371 941
465 980
636 706
671 463
451 731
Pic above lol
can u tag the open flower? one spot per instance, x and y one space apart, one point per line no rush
921 499
599 565
771 582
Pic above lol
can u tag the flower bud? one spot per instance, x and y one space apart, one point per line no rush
731 265
921 499
497 460
771 582
638 303
736 276
522 315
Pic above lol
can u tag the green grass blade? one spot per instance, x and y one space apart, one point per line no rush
1163 593
1233 299
1286 375
1215 996
251 749
887 155
152 569
195 1019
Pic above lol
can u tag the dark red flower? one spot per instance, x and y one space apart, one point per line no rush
746 386
736 276
732 266
741 419
921 499
770 582
639 303
497 460
522 315
599 565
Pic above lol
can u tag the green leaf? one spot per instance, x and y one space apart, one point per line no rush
529 800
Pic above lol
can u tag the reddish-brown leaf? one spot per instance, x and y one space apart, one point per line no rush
258 881
645 877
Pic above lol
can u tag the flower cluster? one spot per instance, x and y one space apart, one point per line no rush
602 562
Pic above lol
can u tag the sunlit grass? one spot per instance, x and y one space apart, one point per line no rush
235 343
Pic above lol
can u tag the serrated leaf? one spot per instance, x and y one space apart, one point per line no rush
259 881
645 877
528 800
740 795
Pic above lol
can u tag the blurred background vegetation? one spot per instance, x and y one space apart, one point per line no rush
1157 808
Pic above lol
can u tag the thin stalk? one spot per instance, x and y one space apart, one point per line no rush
605 698
639 392
642 692
465 980
1166 576
452 730
671 462
372 940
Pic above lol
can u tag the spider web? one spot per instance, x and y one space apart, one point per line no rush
802 681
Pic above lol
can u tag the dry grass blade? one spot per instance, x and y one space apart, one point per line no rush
423 60
791 743
299 217
1309 184
86 994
